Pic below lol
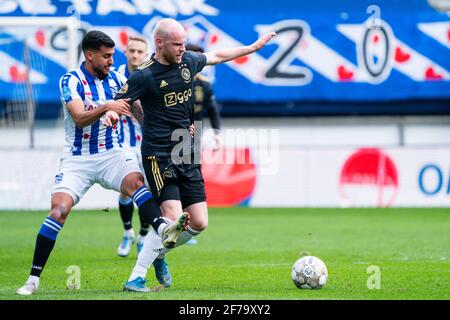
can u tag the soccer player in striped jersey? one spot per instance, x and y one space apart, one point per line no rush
130 137
92 153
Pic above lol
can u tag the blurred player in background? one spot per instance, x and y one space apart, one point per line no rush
130 137
92 153
205 104
165 85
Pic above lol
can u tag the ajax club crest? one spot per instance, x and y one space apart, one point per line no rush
186 74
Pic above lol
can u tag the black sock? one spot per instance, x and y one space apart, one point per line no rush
45 241
144 224
42 250
126 214
148 208
151 214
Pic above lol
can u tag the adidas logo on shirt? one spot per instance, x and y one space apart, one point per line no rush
163 84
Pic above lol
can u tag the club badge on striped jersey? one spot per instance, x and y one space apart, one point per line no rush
58 178
124 89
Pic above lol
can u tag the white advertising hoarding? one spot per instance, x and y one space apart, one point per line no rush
294 177
357 177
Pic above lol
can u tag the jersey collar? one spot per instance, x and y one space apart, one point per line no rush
152 57
89 77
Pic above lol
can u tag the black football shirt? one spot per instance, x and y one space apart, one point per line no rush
166 93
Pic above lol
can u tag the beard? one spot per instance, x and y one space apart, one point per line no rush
100 73
172 59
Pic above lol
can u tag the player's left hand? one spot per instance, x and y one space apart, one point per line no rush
261 42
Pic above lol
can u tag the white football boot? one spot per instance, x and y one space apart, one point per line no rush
173 230
127 242
30 287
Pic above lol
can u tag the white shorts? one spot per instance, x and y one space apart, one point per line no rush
78 173
135 152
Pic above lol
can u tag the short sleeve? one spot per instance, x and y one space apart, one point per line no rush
121 78
70 88
135 88
197 61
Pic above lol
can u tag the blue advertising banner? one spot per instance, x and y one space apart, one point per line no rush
341 51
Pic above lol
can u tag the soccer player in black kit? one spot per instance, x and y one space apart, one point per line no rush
164 85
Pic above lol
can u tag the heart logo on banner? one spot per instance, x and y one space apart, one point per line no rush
401 56
431 74
344 74
16 75
213 39
123 37
40 38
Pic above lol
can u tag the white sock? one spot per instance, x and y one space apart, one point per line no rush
33 279
184 237
150 250
129 233
162 226
140 238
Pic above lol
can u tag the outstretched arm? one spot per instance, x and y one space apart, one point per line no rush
224 55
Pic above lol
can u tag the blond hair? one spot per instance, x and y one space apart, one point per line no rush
137 38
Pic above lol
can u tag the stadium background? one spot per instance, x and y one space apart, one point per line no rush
349 106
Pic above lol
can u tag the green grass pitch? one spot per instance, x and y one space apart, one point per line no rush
246 253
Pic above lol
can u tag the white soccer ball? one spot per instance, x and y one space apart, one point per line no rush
309 273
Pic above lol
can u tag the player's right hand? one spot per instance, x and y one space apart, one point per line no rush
110 118
120 106
192 130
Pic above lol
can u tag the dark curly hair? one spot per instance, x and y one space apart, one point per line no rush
94 39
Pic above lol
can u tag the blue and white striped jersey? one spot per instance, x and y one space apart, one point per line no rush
129 129
80 84
123 69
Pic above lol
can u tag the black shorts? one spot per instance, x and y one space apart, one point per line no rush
169 181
